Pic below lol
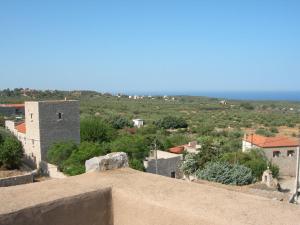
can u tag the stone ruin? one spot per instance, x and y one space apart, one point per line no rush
110 161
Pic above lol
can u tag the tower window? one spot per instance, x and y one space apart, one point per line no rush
59 116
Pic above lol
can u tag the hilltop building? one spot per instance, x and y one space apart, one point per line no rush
46 122
12 109
279 150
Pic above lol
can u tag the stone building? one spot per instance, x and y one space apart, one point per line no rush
12 109
46 122
279 150
165 163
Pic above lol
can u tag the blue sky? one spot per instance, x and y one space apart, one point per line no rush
147 46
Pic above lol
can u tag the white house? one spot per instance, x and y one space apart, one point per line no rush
138 122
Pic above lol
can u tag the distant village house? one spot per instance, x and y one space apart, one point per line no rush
279 150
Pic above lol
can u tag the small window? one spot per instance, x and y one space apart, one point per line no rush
276 154
32 141
59 116
290 153
173 174
31 115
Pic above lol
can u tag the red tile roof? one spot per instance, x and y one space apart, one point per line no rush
21 128
271 142
12 105
177 150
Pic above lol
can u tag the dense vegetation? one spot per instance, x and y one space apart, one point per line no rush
11 151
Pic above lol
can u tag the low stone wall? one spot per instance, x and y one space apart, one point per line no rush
17 180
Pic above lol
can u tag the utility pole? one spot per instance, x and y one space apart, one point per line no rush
155 148
297 175
294 197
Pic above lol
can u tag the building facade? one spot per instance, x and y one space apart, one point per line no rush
278 150
164 163
12 109
46 122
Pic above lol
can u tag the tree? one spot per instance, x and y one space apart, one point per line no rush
11 153
96 130
75 164
119 122
225 173
59 152
2 121
254 160
173 122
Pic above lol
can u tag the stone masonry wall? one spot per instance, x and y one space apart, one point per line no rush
53 129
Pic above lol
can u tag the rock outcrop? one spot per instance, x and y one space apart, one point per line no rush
108 162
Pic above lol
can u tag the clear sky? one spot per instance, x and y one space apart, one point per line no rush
154 45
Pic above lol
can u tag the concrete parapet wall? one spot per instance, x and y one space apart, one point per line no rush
17 180
129 197
90 208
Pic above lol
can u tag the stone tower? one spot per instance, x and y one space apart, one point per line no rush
48 122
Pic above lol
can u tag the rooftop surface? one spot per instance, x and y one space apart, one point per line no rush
12 105
271 142
21 128
147 199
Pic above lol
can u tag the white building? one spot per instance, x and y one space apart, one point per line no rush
138 123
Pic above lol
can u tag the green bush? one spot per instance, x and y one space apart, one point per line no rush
189 165
75 164
136 164
226 173
171 122
2 121
93 129
11 153
264 132
253 159
119 122
59 152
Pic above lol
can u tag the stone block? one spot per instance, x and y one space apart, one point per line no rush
110 161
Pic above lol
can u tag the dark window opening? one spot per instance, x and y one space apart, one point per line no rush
290 153
276 154
173 174
59 116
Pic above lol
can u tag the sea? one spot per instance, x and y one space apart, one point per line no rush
238 95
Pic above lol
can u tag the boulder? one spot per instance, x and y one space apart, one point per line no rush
110 161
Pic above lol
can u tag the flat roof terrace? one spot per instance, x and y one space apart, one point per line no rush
128 197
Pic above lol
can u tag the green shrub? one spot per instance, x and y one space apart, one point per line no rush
11 153
226 173
189 165
171 122
136 164
59 152
253 159
93 129
119 122
264 132
75 164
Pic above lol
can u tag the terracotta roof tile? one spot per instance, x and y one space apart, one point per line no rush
177 149
271 142
21 128
12 105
